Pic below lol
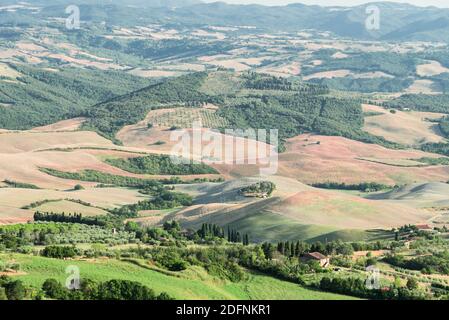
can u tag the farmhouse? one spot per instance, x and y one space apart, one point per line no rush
322 259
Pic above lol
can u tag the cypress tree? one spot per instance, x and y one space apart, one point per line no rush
287 248
297 250
282 248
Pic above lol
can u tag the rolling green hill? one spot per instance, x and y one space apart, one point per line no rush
38 97
401 65
110 116
424 194
193 283
294 212
255 101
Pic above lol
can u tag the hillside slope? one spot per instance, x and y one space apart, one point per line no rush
37 97
294 212
244 100
420 194
408 128
193 283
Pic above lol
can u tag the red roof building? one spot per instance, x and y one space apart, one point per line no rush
321 258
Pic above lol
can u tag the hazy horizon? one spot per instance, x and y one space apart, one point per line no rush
421 3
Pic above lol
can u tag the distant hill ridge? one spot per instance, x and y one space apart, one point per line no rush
397 21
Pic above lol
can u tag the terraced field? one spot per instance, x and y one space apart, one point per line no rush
185 117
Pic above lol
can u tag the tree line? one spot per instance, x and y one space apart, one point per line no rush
160 165
108 290
69 218
364 186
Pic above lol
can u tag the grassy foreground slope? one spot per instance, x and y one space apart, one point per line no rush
193 283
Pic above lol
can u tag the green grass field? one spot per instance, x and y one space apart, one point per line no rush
193 283
267 226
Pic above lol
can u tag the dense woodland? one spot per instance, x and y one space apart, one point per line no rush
366 85
41 97
74 218
301 108
106 179
421 102
436 263
399 65
440 148
114 289
160 165
109 117
102 178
